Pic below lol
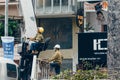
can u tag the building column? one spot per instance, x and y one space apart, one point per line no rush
75 45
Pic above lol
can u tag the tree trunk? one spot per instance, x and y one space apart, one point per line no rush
113 56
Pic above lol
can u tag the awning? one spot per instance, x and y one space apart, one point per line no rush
88 7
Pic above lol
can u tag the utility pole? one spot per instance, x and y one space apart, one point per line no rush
6 18
113 55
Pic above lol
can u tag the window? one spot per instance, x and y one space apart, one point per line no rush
11 70
60 31
47 6
39 3
12 0
48 3
56 2
64 2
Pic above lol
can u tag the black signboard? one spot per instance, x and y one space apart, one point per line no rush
92 49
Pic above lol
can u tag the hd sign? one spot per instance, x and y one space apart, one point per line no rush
92 47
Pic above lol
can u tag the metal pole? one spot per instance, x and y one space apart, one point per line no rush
6 18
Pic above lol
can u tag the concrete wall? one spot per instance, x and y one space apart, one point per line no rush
12 11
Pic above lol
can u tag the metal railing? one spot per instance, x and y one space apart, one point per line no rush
44 70
40 69
54 6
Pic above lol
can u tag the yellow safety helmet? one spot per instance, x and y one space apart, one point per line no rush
41 29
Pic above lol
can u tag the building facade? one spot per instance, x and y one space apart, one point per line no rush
58 17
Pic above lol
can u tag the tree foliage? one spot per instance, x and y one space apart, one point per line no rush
13 27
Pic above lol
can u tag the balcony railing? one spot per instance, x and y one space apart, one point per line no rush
54 7
40 69
11 2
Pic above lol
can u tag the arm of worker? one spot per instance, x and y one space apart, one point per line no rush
53 57
39 38
32 39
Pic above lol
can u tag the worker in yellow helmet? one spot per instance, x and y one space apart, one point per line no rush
37 39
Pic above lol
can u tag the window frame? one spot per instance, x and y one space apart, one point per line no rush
9 74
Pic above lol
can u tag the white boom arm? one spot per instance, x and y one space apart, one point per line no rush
29 18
